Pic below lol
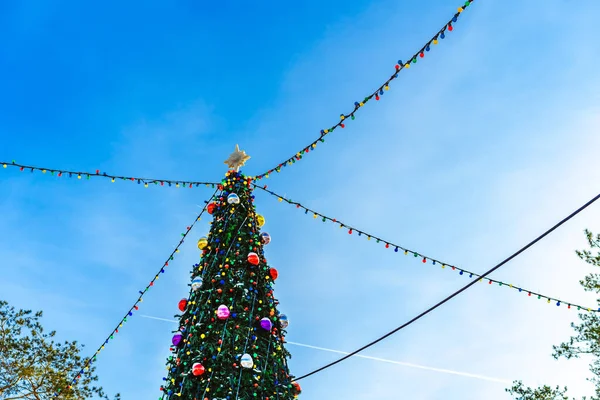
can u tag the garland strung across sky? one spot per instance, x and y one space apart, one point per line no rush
113 178
423 257
135 306
315 214
441 34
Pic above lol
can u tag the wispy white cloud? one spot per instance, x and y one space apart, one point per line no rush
406 364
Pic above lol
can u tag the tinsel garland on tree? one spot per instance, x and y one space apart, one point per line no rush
230 341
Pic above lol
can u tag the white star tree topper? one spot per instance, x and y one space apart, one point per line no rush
237 159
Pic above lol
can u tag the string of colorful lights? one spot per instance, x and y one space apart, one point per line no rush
113 178
422 257
457 292
316 214
441 34
135 305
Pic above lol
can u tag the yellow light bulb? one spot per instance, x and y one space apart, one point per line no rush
78 176
4 165
435 41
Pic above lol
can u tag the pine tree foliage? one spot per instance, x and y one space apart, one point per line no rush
586 341
542 393
230 340
33 366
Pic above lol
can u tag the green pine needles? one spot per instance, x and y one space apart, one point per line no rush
230 341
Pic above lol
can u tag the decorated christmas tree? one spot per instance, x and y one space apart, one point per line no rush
230 340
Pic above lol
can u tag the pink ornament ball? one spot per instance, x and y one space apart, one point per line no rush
223 312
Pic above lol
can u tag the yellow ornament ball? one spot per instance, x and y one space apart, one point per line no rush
202 243
260 220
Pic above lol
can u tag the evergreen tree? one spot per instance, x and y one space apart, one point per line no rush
230 341
34 366
586 342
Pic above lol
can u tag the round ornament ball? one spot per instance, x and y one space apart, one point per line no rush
233 198
198 369
273 273
182 304
196 283
177 338
223 312
284 321
260 220
253 258
202 243
211 207
265 237
266 324
297 387
247 361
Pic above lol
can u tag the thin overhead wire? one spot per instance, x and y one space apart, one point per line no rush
448 298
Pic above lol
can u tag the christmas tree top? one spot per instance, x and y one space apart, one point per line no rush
230 341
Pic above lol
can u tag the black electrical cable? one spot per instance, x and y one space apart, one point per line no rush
430 309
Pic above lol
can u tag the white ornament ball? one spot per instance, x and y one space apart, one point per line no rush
196 283
233 199
283 321
247 361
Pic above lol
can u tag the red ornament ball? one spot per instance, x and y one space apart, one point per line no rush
211 208
273 273
182 304
253 258
198 369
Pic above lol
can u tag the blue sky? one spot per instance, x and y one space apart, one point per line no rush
485 144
